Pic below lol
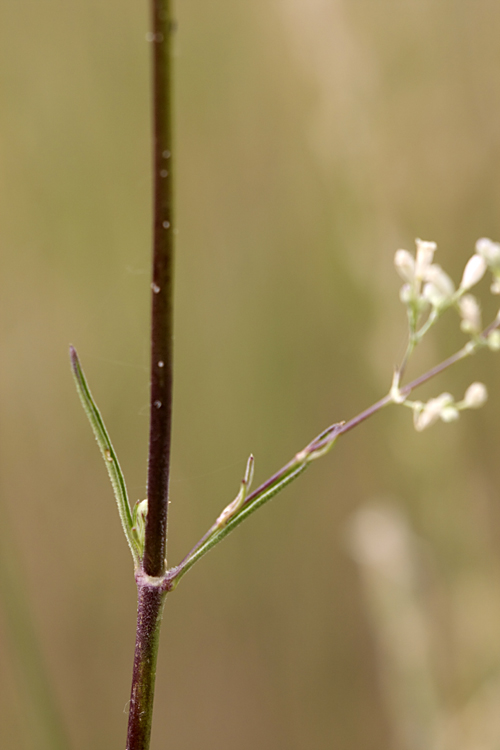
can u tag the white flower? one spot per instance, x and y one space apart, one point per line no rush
449 413
495 287
436 276
439 288
433 295
489 250
473 272
425 254
432 411
425 418
475 396
494 341
405 265
470 313
405 294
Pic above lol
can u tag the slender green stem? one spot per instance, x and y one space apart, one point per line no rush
431 320
416 334
216 534
404 363
316 448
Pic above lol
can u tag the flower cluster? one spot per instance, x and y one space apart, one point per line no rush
445 408
426 282
428 289
427 292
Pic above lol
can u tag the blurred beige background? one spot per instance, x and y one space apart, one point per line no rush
314 138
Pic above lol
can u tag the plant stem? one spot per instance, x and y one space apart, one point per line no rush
161 288
316 448
151 591
149 613
466 351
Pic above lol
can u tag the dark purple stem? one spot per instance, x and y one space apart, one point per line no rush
149 613
161 290
151 592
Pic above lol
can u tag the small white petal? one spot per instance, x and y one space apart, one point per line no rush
470 312
449 414
434 295
475 396
495 287
432 411
445 399
424 419
440 279
489 250
473 272
405 294
405 265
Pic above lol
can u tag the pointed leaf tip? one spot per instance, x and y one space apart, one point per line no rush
108 453
75 362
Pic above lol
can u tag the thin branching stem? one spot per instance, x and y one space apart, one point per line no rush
316 448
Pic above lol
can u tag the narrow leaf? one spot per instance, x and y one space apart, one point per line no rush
108 454
235 521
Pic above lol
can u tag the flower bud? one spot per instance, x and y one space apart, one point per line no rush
493 341
424 419
425 254
432 411
234 507
475 396
470 312
140 515
495 287
405 294
405 265
449 413
489 250
473 272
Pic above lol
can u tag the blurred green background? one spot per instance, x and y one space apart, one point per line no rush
313 138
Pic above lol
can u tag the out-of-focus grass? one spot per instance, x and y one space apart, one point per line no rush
405 602
313 139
